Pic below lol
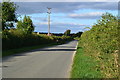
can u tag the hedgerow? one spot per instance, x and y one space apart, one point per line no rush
12 39
101 43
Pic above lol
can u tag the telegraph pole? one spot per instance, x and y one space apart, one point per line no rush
49 12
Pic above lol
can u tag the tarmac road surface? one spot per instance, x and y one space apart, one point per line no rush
50 62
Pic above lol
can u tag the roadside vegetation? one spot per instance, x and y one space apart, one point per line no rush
84 66
97 53
14 40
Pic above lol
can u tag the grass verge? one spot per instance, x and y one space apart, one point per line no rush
84 66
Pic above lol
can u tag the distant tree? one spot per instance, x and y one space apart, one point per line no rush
26 25
8 14
67 32
78 34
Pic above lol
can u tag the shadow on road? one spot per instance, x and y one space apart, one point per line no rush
65 47
58 50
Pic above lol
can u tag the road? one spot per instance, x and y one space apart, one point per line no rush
50 62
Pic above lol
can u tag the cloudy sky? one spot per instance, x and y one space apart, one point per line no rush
65 15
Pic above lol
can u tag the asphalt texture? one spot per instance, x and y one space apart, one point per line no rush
49 62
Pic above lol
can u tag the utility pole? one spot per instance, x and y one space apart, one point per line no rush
49 12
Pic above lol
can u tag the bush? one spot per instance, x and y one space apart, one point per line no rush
104 35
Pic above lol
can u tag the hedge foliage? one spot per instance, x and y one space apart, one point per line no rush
14 38
101 43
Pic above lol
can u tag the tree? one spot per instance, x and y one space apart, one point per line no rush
67 32
106 19
26 25
78 34
8 14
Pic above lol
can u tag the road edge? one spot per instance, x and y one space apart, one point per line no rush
72 61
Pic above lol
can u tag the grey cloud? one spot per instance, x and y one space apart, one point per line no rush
63 7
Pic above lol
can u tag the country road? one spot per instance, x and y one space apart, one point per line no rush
50 62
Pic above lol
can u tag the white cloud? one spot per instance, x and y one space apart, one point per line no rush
90 15
43 23
60 27
62 24
87 14
68 23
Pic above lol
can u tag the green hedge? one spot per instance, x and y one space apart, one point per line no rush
101 43
12 39
103 36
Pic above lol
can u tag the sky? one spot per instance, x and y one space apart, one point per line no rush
65 15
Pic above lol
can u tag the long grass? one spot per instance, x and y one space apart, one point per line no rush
84 66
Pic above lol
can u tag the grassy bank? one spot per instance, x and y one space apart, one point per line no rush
84 65
95 66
